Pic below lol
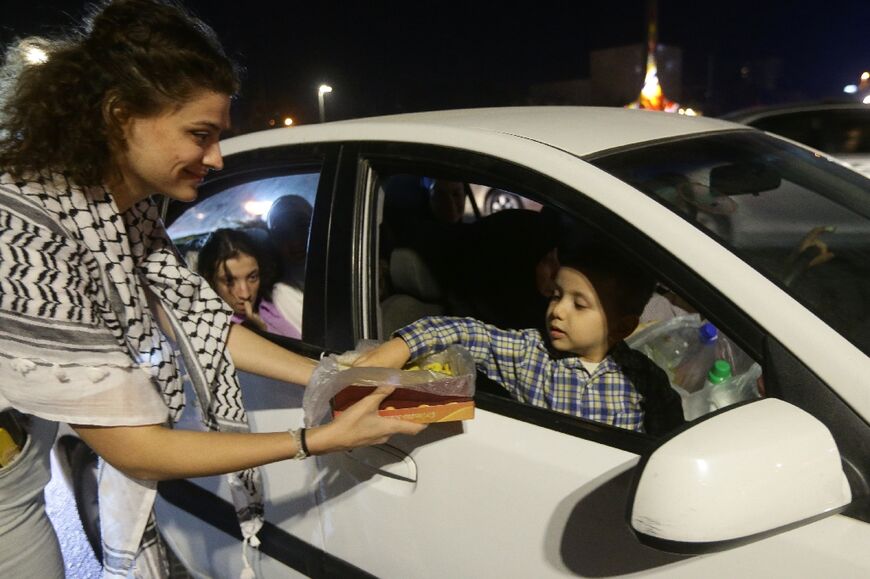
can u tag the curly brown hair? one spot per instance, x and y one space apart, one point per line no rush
137 56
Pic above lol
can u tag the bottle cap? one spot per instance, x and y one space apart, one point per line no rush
719 372
708 333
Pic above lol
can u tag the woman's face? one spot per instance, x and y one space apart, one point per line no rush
237 282
170 153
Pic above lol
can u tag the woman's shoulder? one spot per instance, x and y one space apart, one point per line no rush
29 199
46 199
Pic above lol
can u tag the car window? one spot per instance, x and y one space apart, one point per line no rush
803 127
838 132
268 217
846 132
501 269
796 217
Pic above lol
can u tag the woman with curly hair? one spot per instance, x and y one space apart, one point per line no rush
243 275
96 306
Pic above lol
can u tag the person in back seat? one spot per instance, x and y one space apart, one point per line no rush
447 200
243 277
289 222
583 367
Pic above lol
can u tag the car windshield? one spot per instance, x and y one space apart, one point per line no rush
796 216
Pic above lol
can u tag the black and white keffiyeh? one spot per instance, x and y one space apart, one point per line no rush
80 343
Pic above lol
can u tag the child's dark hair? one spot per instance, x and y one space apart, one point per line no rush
137 56
224 244
633 286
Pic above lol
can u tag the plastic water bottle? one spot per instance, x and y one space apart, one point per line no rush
727 389
691 373
714 394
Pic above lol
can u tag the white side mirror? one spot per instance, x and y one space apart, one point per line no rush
738 476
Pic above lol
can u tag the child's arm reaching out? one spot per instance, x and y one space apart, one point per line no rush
496 352
391 354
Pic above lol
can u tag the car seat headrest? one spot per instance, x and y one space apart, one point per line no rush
410 275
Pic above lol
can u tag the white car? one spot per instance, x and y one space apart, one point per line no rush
839 129
767 240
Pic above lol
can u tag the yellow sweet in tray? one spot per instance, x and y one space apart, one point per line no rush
434 367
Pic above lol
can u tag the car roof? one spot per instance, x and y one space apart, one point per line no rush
580 131
752 114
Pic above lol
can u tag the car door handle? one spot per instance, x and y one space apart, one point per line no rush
385 460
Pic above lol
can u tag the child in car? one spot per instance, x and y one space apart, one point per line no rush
583 367
243 276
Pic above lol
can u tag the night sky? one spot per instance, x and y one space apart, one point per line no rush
388 57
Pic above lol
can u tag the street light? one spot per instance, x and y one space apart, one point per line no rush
33 52
322 90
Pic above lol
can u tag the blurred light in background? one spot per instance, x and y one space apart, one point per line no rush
34 54
258 208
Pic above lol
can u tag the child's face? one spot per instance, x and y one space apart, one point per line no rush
237 281
576 316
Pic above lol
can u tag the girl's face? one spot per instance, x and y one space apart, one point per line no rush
170 153
237 282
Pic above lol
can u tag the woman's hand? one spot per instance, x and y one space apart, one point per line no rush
391 354
359 425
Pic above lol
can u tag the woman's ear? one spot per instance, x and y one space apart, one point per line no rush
116 118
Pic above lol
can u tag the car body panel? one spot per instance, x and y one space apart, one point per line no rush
448 537
578 130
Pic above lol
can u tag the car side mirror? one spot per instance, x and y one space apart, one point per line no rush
738 476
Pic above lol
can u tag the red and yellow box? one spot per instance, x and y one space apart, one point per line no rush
412 405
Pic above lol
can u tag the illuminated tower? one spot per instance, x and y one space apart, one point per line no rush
652 96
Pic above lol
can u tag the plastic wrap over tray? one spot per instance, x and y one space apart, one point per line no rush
335 372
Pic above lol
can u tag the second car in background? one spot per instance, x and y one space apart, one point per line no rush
839 129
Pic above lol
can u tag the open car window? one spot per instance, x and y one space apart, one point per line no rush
499 267
269 217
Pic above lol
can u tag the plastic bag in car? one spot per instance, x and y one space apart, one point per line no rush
683 348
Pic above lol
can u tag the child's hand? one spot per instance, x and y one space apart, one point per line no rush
391 354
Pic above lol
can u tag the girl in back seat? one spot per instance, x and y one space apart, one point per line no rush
243 276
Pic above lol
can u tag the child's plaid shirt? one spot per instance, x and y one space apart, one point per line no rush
520 361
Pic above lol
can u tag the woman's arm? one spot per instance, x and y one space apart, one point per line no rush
155 452
256 354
